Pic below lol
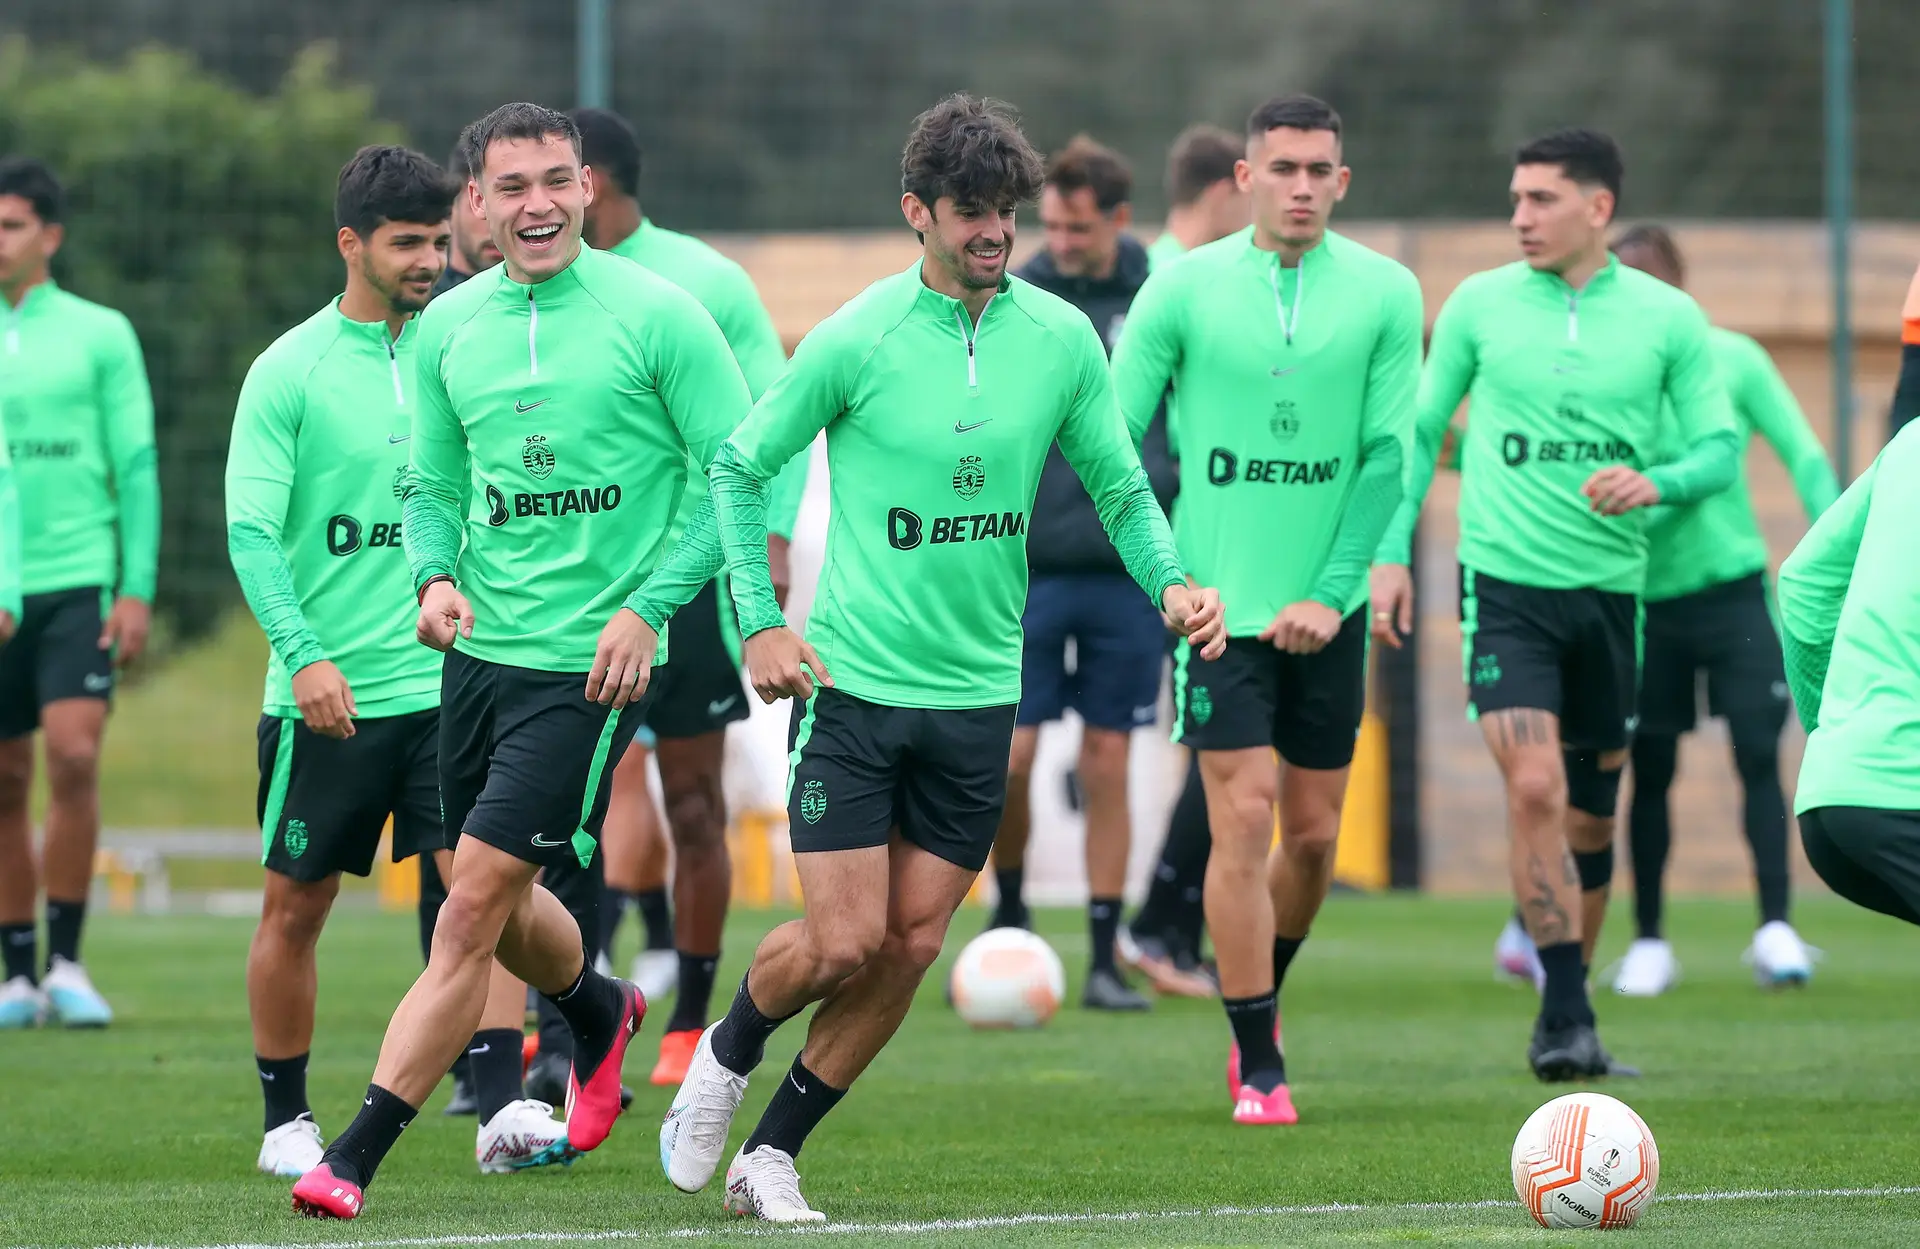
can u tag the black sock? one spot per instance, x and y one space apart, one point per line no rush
494 1058
64 920
1157 908
1009 909
1649 828
283 1083
694 997
657 916
433 891
1253 1023
357 1152
1563 999
550 1026
462 1069
613 910
1284 948
1189 845
1103 923
594 1009
1756 753
798 1105
740 1042
19 948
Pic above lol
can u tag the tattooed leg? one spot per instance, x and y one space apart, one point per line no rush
1525 742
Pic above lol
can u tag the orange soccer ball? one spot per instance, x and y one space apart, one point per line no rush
1007 978
1585 1160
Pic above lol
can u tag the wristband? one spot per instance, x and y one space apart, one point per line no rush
420 596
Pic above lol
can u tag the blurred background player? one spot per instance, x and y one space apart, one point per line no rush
1079 597
1294 356
79 415
1574 363
1707 614
1906 391
1204 200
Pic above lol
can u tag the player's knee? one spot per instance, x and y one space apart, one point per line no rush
1756 753
297 910
1103 759
1314 838
73 764
844 948
1592 785
918 946
16 774
696 816
468 927
1537 792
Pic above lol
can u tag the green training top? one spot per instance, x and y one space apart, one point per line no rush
727 293
1850 625
552 439
1163 249
80 427
1563 383
1293 392
315 472
9 531
1717 540
937 427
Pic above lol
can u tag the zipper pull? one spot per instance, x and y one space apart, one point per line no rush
1573 316
973 376
533 330
393 366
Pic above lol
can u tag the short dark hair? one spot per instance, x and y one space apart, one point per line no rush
33 182
1656 239
1201 157
1295 112
1586 156
973 150
1086 165
516 121
388 183
609 144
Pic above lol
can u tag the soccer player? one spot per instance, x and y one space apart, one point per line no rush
1570 358
349 733
9 541
1205 200
698 693
472 250
1847 596
1081 595
1707 612
80 420
940 390
1294 355
559 396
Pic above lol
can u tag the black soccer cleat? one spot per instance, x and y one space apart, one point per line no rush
1105 990
463 1101
1566 1052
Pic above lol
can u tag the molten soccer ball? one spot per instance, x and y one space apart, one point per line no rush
1585 1160
1007 978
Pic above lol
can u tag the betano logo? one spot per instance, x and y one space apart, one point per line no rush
345 535
905 529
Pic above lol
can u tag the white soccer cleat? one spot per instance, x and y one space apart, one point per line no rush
1779 958
694 1133
1515 958
656 972
292 1149
22 1005
522 1134
1648 970
764 1185
72 1000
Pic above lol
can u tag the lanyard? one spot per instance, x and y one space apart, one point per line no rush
1289 324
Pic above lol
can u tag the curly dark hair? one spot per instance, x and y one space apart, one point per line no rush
972 150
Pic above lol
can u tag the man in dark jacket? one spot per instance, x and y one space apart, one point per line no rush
1081 596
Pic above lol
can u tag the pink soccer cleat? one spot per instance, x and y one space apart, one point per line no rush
592 1107
318 1195
1250 1105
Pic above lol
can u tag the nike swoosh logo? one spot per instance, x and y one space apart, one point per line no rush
547 845
958 428
96 683
268 1076
1563 368
394 440
524 408
481 1049
714 709
1284 372
369 1101
796 1084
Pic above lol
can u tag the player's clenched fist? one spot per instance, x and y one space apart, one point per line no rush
1196 615
623 661
1302 628
444 615
325 699
779 664
1617 489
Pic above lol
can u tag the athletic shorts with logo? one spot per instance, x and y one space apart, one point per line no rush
1307 707
1575 653
698 690
1119 651
526 762
1723 636
54 654
861 769
323 801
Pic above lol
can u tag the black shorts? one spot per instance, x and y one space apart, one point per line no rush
1722 636
1307 707
1575 653
862 769
1867 855
698 690
1119 651
526 762
54 654
323 801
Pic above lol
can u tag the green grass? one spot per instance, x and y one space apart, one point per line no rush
1406 1057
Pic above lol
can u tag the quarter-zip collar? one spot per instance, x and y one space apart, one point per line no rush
553 292
1603 280
951 310
376 335
1269 262
11 317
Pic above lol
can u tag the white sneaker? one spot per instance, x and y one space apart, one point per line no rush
764 1185
694 1133
521 1134
1648 970
1779 958
1515 958
71 998
656 972
22 1005
292 1149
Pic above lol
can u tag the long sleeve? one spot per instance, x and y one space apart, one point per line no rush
692 562
785 495
1763 396
10 596
1386 427
1098 444
128 405
1147 356
1452 361
756 344
1813 589
1709 467
1702 413
433 507
259 484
